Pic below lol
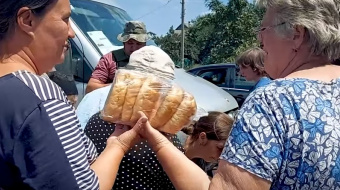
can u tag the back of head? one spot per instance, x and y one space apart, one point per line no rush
151 59
320 18
216 125
254 58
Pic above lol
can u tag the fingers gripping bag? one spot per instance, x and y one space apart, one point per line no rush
146 84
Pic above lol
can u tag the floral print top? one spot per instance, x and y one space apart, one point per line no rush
288 133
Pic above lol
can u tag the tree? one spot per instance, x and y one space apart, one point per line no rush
218 36
171 44
234 28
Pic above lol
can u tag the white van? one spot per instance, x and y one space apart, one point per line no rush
96 24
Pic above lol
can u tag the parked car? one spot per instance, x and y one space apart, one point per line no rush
228 77
96 24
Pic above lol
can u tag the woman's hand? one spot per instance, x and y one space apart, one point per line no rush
124 137
155 139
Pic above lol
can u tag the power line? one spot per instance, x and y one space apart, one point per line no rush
156 9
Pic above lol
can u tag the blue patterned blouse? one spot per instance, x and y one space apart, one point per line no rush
288 133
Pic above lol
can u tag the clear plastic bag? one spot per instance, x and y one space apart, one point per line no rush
168 107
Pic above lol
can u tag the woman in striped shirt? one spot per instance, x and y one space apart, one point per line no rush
41 144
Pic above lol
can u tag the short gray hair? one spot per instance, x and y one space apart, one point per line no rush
321 19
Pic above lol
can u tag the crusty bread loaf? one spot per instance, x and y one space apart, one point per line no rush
182 116
168 107
116 98
130 99
148 99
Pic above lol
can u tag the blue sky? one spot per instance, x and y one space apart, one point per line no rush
161 17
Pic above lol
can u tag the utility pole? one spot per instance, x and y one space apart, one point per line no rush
182 35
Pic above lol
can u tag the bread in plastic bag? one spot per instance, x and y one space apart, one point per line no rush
131 92
133 88
183 116
148 99
168 107
114 105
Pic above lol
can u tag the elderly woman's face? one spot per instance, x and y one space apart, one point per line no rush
50 36
279 51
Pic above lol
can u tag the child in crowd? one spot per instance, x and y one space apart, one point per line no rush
206 139
252 67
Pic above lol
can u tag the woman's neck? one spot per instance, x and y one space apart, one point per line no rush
257 79
15 62
191 151
303 60
324 73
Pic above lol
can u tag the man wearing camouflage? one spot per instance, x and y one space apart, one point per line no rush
134 37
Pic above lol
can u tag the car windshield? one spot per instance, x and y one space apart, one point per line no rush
101 23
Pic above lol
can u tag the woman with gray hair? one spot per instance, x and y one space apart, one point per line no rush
287 134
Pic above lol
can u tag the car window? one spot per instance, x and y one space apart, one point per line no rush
95 16
216 76
91 16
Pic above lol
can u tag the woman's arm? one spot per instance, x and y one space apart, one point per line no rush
183 173
231 177
106 166
186 175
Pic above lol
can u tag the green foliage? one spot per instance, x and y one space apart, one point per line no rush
218 36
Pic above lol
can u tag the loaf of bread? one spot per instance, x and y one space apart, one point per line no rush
133 89
148 99
182 117
114 103
168 107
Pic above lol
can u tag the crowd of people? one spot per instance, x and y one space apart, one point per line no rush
284 136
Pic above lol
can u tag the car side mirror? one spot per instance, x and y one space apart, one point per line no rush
77 66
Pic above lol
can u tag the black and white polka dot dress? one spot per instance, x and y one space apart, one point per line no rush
139 168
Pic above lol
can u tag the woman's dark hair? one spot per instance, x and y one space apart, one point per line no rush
336 62
216 125
253 58
9 10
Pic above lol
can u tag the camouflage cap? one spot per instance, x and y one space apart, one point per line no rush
134 30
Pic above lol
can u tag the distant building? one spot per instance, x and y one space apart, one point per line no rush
178 30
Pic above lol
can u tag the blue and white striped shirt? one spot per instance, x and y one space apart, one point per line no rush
41 143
